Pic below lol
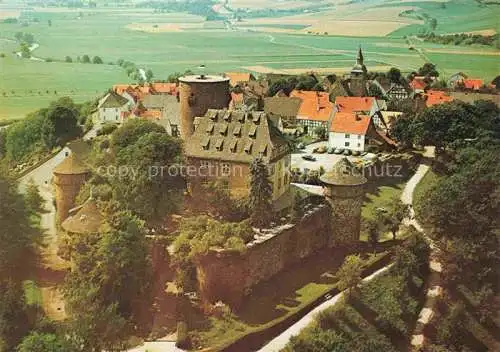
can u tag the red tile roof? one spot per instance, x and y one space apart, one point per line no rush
350 104
418 82
315 106
471 83
435 97
169 88
350 122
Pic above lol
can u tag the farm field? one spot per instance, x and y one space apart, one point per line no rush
175 42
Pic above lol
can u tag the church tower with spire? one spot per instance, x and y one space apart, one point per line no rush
358 77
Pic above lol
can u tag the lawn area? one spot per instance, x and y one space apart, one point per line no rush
32 293
269 303
422 187
379 196
27 85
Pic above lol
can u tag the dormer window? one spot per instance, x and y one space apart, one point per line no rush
263 150
248 147
227 116
205 142
210 127
237 130
256 118
233 145
253 131
219 144
223 129
213 114
241 117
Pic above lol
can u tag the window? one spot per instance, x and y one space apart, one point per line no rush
205 164
226 169
347 144
359 144
359 136
347 135
210 128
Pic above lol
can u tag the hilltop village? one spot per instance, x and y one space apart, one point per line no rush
217 210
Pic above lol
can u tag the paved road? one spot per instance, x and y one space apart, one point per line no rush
326 160
279 342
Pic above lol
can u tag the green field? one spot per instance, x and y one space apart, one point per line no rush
26 85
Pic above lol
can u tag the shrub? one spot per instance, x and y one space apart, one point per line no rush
106 129
182 335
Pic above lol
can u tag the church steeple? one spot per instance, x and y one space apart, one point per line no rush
359 59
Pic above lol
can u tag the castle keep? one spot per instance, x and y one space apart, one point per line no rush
197 94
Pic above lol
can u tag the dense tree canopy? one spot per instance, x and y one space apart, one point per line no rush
131 131
109 282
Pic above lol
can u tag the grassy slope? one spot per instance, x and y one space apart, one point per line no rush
457 16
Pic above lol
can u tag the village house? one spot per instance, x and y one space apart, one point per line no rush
435 97
239 78
111 108
315 110
169 109
365 105
357 132
420 83
287 108
225 143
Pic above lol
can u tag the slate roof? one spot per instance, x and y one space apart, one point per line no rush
86 220
282 106
316 106
112 100
343 173
236 136
350 122
168 104
71 166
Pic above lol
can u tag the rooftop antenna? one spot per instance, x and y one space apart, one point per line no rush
202 69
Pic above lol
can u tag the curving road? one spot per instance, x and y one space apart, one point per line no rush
279 342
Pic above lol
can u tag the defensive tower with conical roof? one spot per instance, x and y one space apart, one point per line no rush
344 190
69 176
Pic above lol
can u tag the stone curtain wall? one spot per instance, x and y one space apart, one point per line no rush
228 276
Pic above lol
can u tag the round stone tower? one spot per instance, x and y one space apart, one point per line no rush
197 94
344 190
69 176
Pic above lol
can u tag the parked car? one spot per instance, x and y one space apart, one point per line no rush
331 150
301 146
339 150
347 152
355 152
315 150
309 158
322 149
